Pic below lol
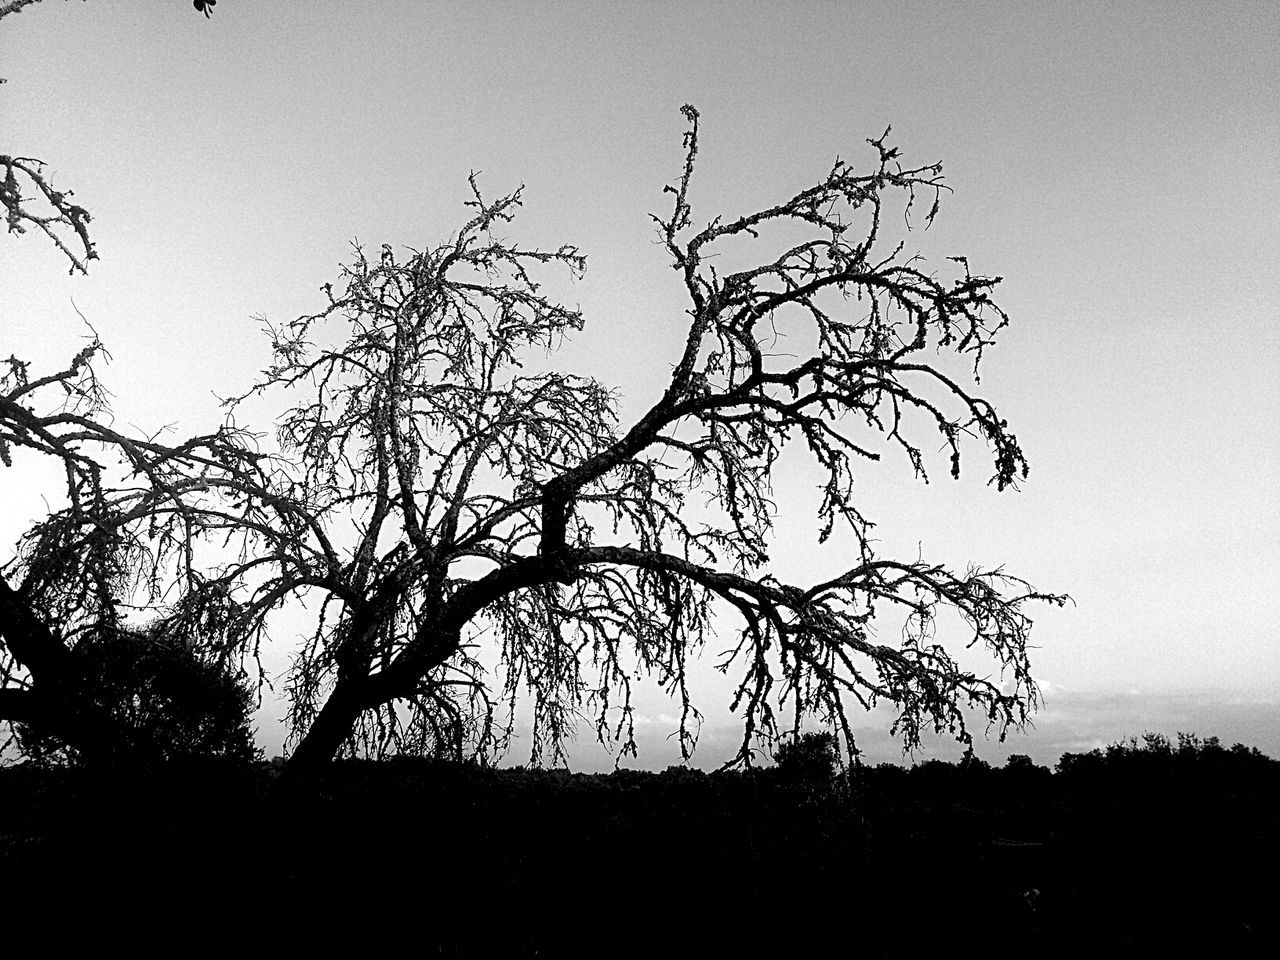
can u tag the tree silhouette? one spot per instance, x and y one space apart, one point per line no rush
430 492
809 758
483 499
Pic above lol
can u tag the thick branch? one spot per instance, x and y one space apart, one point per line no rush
28 638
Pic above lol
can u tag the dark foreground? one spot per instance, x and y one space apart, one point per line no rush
1140 849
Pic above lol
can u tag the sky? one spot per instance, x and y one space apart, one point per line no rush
1116 163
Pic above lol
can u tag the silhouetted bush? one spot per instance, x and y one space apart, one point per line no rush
808 759
152 700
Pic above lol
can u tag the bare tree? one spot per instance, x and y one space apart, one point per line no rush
430 492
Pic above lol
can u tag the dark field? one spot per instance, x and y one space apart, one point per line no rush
1138 849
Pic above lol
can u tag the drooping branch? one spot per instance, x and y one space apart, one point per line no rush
30 200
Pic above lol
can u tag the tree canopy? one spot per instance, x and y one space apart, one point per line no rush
430 495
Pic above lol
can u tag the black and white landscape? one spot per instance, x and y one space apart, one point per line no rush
566 456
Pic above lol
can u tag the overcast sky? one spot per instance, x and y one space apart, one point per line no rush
1117 163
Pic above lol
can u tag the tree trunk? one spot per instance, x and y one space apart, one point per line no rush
333 724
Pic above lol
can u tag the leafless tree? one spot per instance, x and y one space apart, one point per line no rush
430 493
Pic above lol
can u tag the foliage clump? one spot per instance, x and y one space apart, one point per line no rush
810 758
154 700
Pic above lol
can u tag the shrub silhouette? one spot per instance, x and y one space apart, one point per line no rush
154 700
809 758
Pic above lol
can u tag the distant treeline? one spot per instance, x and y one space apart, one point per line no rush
1149 843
